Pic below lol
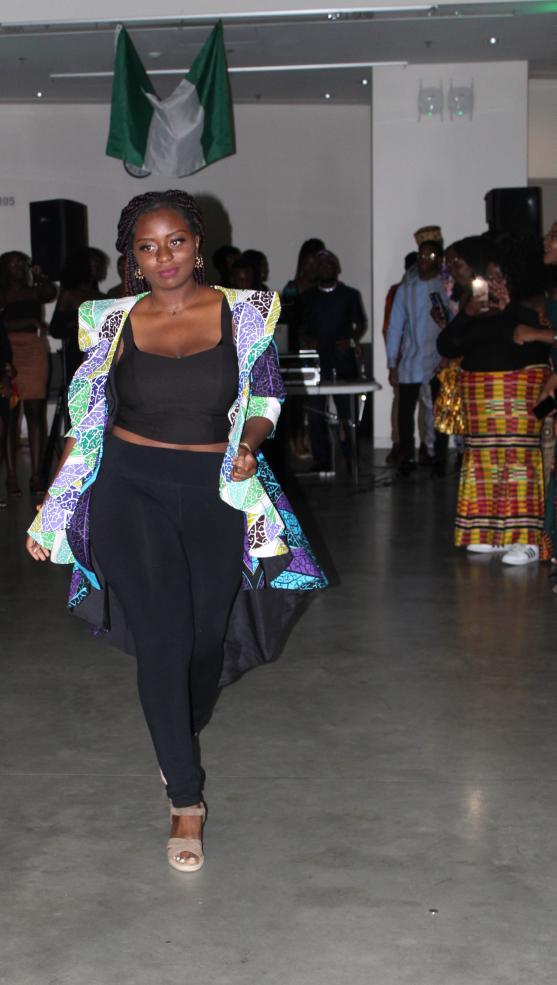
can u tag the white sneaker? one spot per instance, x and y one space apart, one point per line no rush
521 554
484 549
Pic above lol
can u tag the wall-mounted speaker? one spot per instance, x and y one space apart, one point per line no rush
514 210
59 228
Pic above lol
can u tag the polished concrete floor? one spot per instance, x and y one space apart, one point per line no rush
383 800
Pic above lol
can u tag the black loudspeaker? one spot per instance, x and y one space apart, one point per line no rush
514 210
58 228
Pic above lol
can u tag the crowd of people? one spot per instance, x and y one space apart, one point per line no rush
318 311
475 325
169 363
470 336
322 313
24 350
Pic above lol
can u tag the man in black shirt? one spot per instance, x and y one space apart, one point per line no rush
332 321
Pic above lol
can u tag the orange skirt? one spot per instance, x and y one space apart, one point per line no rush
30 358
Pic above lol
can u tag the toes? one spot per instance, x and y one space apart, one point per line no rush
186 858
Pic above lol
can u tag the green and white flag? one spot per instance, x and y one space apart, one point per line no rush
176 136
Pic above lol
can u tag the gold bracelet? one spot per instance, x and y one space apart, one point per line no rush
244 444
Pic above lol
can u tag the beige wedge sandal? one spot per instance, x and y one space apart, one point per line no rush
193 845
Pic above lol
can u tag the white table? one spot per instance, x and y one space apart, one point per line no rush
356 390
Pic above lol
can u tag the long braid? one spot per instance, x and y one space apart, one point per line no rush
174 199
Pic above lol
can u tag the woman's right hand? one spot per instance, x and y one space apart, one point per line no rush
438 316
36 550
473 308
549 388
499 296
33 548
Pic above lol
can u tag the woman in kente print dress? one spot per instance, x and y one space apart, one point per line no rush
185 550
504 354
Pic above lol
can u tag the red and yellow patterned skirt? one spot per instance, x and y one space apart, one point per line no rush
501 491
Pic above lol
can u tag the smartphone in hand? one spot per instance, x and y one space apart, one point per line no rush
480 292
439 310
546 406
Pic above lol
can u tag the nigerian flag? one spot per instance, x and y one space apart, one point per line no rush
179 135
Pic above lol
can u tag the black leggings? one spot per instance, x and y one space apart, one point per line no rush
171 551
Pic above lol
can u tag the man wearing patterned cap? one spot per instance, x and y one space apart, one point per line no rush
428 234
412 355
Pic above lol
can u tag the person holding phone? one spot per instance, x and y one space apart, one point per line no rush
548 396
412 355
549 314
504 365
393 455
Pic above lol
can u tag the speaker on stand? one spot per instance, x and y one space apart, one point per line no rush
59 228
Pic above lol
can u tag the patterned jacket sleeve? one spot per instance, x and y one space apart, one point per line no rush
89 326
86 404
266 379
267 391
95 350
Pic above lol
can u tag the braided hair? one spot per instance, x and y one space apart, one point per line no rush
174 199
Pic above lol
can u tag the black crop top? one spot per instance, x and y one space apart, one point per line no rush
180 401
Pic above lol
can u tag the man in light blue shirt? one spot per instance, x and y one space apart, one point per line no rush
412 355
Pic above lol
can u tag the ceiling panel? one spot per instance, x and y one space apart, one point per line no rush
29 56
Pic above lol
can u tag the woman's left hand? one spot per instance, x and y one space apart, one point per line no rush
522 334
499 296
526 333
245 465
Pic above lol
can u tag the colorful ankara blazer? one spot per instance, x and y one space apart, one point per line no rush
277 554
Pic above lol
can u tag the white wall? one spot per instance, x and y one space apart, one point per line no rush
542 128
299 172
542 144
437 171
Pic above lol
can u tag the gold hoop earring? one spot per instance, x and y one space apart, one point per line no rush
137 273
198 262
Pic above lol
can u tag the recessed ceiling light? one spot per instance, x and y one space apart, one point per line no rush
155 54
327 95
493 40
365 82
39 95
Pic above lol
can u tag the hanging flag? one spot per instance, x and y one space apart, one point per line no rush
130 112
176 136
